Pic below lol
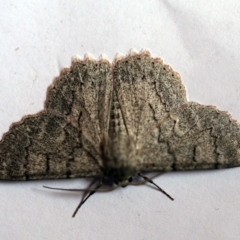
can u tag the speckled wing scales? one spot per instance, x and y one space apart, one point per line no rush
93 103
146 90
203 138
171 134
83 95
79 98
44 146
193 137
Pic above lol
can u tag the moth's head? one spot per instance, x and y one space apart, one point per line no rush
121 176
120 160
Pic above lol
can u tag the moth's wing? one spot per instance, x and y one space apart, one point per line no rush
193 136
145 89
44 146
82 94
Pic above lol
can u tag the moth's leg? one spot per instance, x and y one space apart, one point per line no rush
85 199
150 181
89 187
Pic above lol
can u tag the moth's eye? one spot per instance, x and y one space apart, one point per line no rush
115 181
130 179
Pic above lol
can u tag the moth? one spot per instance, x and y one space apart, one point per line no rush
117 121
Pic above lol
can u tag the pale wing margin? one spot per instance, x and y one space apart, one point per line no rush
46 146
193 137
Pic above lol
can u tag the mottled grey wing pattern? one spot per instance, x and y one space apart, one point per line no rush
170 133
94 106
193 137
146 90
82 94
45 146
212 136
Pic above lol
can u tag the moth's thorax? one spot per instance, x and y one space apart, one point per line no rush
119 158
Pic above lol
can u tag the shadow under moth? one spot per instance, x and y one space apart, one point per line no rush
116 121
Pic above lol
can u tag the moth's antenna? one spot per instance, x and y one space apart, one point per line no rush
81 190
83 201
150 181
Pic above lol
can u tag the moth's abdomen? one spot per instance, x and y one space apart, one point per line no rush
120 161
